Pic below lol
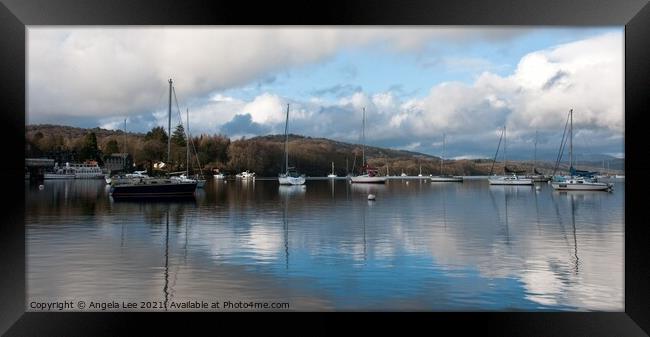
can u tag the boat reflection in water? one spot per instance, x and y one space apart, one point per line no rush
292 190
426 246
368 188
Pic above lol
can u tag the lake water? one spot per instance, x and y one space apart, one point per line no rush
420 246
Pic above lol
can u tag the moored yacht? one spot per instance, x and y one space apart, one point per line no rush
368 174
509 180
184 178
510 177
578 180
218 175
245 175
579 184
445 177
290 175
142 186
332 175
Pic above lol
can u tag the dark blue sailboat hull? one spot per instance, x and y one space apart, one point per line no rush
153 191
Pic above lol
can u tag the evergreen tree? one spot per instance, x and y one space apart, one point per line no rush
89 149
155 146
158 133
111 147
178 137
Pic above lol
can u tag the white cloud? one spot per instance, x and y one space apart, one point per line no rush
533 98
266 109
410 147
113 73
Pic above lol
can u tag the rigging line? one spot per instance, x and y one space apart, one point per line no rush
187 135
561 224
558 156
562 146
559 161
496 153
575 238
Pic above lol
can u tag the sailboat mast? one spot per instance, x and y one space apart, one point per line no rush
363 139
169 124
286 142
505 157
442 158
535 154
187 143
125 151
571 140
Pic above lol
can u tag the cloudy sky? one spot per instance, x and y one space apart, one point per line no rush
416 83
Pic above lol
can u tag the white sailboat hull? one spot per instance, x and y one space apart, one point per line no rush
245 176
510 181
539 178
284 180
586 186
368 180
446 179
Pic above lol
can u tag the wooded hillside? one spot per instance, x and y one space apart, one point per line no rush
263 155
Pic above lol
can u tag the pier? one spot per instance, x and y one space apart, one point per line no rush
37 166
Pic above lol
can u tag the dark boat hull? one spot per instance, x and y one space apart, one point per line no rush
153 191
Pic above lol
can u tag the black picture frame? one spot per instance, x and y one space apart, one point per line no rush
633 14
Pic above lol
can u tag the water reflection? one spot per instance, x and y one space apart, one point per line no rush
165 287
325 246
292 190
369 188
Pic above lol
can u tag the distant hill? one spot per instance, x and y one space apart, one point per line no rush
371 151
71 131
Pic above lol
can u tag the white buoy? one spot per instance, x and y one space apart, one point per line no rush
371 197
40 187
538 187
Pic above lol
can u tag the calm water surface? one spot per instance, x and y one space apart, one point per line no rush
324 246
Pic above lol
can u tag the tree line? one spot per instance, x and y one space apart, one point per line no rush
263 155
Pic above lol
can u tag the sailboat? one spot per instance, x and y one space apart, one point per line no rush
218 175
537 176
578 180
332 175
291 175
507 179
200 181
445 177
143 186
368 174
